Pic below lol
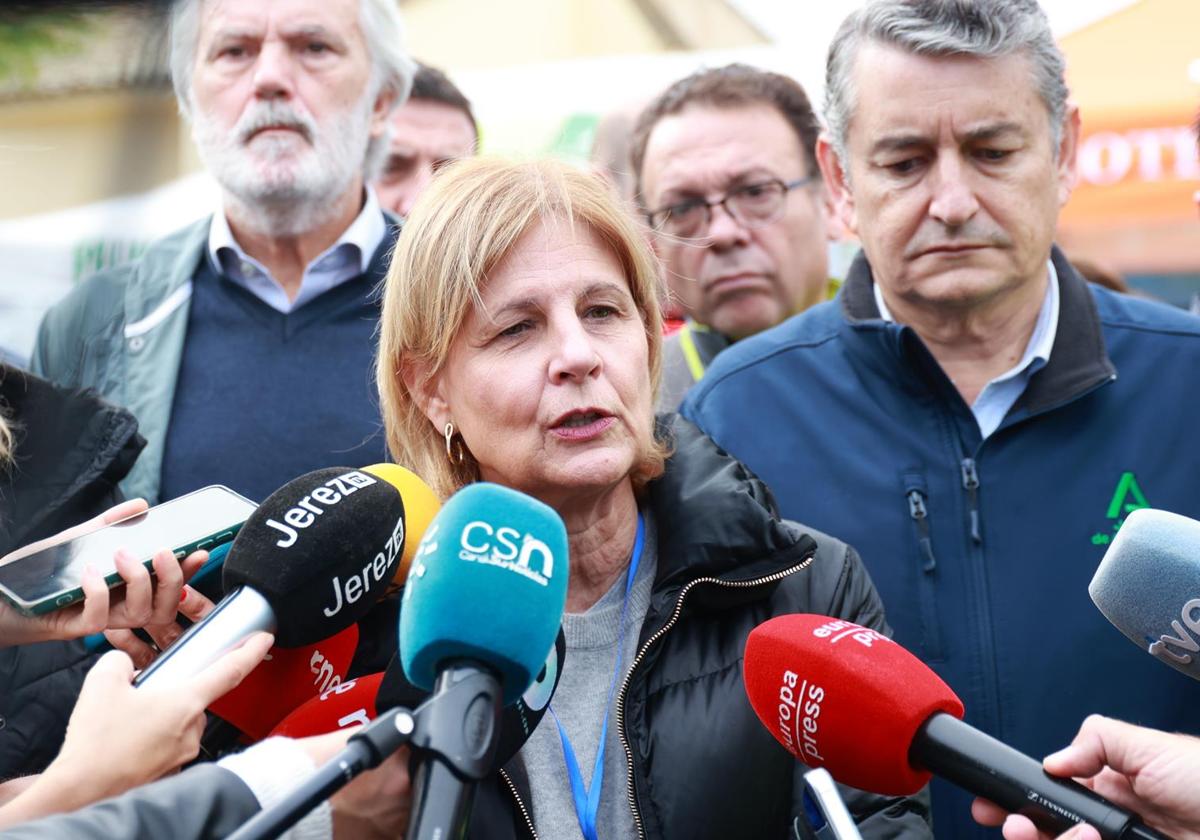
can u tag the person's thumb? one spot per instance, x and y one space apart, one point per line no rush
113 668
1101 742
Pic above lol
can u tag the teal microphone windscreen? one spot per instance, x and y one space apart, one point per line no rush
1148 586
488 584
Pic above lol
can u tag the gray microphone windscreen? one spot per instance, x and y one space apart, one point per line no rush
1148 586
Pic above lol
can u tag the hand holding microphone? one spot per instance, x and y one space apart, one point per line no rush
846 698
1141 769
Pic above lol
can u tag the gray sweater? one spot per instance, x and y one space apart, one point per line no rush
580 701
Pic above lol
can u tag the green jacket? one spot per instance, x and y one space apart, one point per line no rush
122 333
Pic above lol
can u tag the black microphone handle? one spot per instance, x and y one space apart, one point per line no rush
978 763
366 750
453 748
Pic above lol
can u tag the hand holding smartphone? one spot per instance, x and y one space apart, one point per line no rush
40 585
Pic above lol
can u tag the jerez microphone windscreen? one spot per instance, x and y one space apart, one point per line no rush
844 697
488 584
517 720
420 506
1148 586
321 550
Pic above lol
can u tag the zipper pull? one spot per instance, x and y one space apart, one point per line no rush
970 481
917 510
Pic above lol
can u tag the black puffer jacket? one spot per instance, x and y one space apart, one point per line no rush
71 450
703 765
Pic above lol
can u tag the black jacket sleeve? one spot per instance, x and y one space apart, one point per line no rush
205 801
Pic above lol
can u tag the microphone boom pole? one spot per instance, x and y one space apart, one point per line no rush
366 749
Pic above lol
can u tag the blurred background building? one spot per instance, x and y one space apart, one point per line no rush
95 161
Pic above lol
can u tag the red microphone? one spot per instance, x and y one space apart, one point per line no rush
285 680
351 703
849 699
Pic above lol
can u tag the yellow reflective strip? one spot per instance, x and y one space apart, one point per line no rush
690 354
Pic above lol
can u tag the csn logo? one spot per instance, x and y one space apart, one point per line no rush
507 548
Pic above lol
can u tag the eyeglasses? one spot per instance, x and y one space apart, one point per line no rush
750 205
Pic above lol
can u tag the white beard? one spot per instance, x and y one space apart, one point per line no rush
284 183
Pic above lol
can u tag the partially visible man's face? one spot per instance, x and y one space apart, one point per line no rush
745 279
426 135
951 180
281 98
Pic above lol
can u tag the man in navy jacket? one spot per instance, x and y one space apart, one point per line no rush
969 413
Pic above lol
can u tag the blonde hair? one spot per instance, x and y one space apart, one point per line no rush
6 440
467 221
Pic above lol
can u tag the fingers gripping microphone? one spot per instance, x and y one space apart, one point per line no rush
851 700
480 614
309 562
1148 586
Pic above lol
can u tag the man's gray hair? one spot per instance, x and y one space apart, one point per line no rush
983 28
391 66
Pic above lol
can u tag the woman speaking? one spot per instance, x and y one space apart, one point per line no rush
520 344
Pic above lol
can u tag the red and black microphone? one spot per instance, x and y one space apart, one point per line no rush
286 680
847 698
358 701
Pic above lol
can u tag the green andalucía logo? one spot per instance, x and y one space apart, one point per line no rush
1127 498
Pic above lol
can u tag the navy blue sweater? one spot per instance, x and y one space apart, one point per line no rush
264 396
858 432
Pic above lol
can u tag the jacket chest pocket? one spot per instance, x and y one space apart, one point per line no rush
924 565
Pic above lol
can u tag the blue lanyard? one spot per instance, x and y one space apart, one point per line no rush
587 799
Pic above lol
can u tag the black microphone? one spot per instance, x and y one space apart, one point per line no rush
517 720
309 562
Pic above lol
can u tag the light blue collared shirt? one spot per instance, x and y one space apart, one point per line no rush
344 260
999 395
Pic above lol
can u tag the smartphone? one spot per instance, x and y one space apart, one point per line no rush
50 579
826 815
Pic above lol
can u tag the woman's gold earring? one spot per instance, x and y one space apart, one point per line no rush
448 431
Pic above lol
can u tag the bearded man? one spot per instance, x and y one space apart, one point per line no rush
243 343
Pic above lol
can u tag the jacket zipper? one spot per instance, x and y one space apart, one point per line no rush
512 788
918 509
920 515
987 710
970 482
662 631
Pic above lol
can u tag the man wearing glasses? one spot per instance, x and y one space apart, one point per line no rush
727 177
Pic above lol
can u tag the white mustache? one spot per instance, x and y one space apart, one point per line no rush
274 115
